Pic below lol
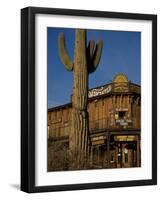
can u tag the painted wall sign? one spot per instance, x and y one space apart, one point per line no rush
125 138
99 91
123 122
121 109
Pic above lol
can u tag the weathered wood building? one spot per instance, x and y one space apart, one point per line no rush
114 125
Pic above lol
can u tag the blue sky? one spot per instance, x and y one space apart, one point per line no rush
121 54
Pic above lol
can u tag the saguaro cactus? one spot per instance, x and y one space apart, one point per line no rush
86 60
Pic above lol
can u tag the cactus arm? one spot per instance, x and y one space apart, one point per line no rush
63 53
96 57
97 53
90 48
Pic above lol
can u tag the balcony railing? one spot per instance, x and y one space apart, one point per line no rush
94 126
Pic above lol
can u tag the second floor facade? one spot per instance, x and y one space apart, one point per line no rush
116 105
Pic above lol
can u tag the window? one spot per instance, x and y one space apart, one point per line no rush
121 114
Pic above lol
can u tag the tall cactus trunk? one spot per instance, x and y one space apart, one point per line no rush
79 130
86 60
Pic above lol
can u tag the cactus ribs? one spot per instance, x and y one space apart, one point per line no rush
86 60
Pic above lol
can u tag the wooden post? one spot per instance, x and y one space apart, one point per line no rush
91 155
98 155
108 150
138 151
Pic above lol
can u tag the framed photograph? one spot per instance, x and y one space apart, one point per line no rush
88 99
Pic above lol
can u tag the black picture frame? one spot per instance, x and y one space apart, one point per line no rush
28 99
